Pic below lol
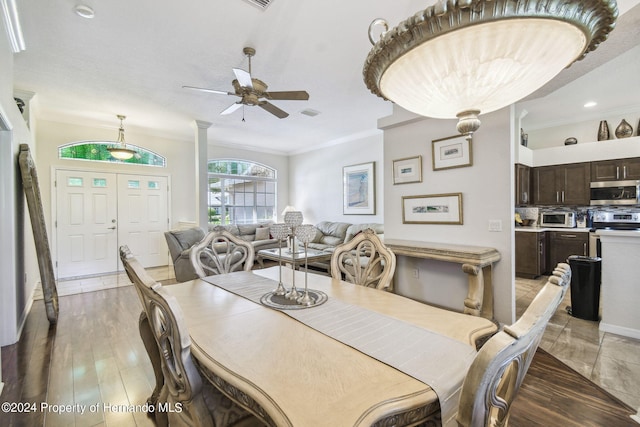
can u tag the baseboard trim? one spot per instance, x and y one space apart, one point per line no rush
620 330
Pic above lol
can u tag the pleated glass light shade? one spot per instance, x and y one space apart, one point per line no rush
483 67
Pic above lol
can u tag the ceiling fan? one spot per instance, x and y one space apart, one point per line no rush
253 91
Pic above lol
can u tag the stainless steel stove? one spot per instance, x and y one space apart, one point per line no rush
616 220
611 220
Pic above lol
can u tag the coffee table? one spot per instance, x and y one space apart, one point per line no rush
293 258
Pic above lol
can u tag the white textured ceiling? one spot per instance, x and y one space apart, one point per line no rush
134 57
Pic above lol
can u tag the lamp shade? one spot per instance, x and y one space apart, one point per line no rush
121 153
461 58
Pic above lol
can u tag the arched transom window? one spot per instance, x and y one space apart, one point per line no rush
241 192
96 151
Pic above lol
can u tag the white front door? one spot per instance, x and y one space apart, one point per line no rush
86 223
143 217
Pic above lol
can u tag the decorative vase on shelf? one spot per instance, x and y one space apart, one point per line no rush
624 130
603 131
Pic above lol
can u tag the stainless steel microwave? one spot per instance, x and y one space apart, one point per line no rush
558 219
615 192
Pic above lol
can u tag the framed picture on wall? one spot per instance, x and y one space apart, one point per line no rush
359 189
452 152
432 209
407 170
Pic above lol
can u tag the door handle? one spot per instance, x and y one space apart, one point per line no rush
112 228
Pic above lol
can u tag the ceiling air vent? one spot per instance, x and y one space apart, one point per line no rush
309 112
262 4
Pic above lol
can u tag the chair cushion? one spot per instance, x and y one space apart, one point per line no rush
189 237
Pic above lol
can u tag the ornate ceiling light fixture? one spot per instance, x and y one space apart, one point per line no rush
120 151
462 58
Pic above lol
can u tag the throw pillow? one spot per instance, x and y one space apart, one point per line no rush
262 233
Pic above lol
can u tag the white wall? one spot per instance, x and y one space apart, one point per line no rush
315 180
487 194
180 161
15 226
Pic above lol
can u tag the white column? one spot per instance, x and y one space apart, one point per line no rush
202 180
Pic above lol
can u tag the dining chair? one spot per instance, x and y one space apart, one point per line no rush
365 261
187 399
221 252
499 367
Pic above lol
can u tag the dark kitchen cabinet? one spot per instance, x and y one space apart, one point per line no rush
563 244
616 170
531 251
562 184
523 185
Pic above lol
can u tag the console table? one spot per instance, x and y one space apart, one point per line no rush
477 263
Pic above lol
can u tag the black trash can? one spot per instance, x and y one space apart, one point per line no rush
586 274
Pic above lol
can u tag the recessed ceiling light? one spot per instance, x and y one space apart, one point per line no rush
84 11
590 104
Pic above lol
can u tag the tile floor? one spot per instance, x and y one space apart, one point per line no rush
609 360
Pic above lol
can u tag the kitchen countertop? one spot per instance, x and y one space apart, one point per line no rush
541 229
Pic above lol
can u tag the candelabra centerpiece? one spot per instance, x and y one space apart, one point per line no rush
305 233
293 219
280 232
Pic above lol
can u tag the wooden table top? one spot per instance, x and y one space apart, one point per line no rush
298 375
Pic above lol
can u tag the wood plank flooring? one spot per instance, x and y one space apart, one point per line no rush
94 356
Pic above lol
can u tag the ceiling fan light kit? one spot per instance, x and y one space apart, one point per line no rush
461 58
253 92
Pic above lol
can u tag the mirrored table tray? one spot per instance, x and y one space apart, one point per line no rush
281 303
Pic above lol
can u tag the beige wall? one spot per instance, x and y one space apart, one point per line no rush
487 194
180 161
316 180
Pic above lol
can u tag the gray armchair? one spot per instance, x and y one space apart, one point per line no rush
180 243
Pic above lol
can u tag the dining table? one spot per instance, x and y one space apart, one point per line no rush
357 356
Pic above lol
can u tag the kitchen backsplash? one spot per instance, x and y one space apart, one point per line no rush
584 214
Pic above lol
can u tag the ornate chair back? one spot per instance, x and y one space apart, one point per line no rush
365 261
221 252
498 369
167 325
180 381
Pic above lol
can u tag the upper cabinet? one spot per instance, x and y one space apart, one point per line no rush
523 185
615 170
562 184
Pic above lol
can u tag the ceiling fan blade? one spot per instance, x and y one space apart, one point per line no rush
230 109
204 89
293 95
273 110
243 77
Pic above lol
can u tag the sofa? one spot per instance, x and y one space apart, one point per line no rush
257 234
330 234
180 243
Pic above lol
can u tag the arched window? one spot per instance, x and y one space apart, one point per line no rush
96 151
241 192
